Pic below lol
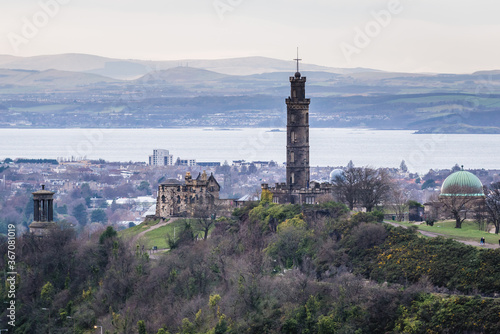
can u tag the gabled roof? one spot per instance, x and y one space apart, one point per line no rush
172 182
212 178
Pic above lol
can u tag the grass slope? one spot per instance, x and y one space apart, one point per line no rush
158 237
469 231
133 231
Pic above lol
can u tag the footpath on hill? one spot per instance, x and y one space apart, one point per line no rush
137 237
152 228
434 234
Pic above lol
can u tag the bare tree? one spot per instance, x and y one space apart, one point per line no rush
492 204
366 186
374 187
346 186
457 203
204 218
399 200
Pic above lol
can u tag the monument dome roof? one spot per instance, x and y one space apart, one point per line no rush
462 183
336 173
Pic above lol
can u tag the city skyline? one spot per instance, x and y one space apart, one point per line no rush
394 35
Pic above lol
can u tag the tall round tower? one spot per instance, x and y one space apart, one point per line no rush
297 148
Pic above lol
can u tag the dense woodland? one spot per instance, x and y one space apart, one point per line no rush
267 269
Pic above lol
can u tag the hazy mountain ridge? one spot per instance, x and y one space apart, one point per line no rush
55 78
191 96
133 68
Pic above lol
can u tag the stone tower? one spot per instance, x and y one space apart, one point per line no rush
297 148
43 214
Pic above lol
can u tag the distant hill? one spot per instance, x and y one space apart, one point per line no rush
180 74
241 92
133 68
52 78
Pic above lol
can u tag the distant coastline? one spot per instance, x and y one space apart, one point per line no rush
462 129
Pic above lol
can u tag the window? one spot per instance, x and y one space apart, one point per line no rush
292 178
292 157
307 118
276 200
292 137
309 200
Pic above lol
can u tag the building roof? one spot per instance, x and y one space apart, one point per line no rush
462 183
43 191
174 182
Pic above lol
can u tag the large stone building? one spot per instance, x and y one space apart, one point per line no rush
298 187
191 197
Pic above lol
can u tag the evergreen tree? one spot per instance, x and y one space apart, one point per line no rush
80 214
99 216
403 167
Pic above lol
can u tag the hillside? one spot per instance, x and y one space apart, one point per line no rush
266 269
50 78
239 92
133 68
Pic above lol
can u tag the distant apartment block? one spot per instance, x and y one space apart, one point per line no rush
185 162
161 158
208 164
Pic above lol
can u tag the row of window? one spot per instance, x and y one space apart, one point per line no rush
309 200
191 199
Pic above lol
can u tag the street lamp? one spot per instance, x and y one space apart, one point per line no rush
98 326
46 309
68 317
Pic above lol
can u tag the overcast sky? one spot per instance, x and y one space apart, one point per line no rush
419 36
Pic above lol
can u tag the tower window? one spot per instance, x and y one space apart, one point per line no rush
292 157
307 118
292 178
294 93
292 136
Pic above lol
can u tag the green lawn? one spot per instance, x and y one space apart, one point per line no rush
132 231
158 237
469 231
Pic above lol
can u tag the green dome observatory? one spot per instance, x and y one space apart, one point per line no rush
462 183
